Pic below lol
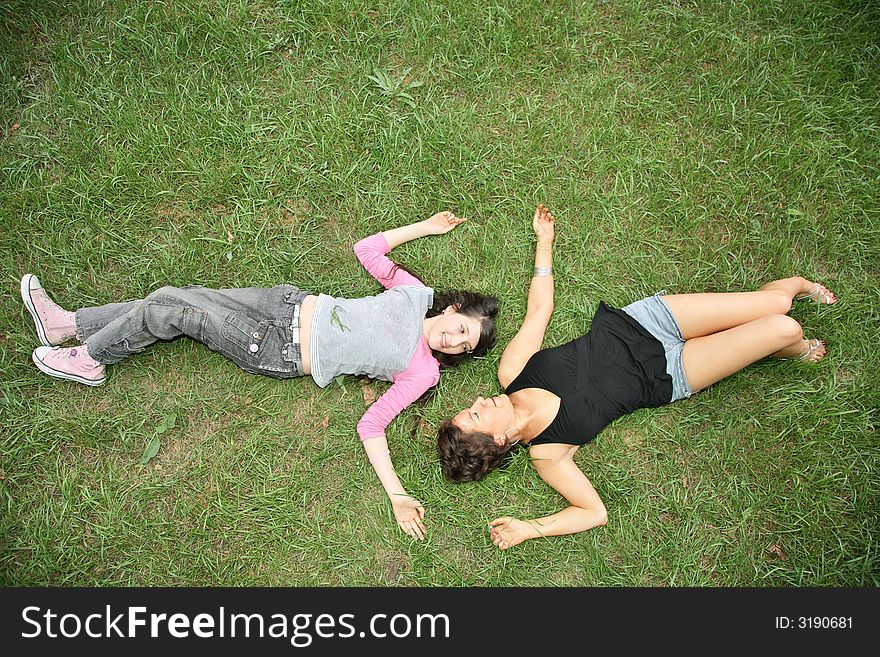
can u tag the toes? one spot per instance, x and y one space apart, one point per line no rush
818 293
825 295
815 350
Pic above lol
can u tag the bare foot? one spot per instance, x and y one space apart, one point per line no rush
817 292
808 351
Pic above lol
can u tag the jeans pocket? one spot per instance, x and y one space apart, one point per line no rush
193 323
255 346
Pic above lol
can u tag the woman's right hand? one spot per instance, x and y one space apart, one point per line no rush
507 532
442 222
410 515
543 225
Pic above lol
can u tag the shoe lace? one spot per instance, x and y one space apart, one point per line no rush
48 306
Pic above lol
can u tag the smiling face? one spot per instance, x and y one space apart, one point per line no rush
493 416
453 333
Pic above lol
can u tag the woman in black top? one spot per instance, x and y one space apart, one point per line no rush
649 353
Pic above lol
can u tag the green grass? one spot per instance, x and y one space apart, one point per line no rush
682 145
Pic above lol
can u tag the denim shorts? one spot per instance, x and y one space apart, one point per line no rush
654 315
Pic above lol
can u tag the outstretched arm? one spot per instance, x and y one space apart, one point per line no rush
530 336
371 250
555 465
407 387
437 224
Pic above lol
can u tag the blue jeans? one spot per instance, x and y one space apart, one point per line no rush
252 327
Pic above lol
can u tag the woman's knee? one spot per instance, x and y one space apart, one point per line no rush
163 312
785 327
166 293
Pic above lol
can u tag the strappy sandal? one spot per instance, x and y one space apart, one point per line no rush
807 356
827 297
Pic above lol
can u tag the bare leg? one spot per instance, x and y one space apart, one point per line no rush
711 358
707 313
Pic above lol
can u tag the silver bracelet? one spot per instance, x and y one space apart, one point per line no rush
543 271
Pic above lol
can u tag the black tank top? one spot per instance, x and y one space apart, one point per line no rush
616 368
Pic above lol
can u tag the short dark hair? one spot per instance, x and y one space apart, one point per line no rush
468 456
471 304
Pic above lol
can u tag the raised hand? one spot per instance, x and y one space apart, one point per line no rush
507 532
543 225
442 222
410 515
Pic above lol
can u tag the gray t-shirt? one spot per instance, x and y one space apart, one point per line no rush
373 336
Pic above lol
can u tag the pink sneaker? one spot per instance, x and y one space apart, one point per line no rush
54 324
73 364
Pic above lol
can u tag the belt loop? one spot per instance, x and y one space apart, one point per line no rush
294 324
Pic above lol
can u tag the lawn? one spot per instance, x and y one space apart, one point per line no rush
686 146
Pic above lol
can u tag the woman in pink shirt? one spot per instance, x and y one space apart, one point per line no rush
403 335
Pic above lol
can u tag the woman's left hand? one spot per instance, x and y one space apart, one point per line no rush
442 222
507 532
543 225
410 515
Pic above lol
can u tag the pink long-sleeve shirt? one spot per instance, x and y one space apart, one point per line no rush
423 370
